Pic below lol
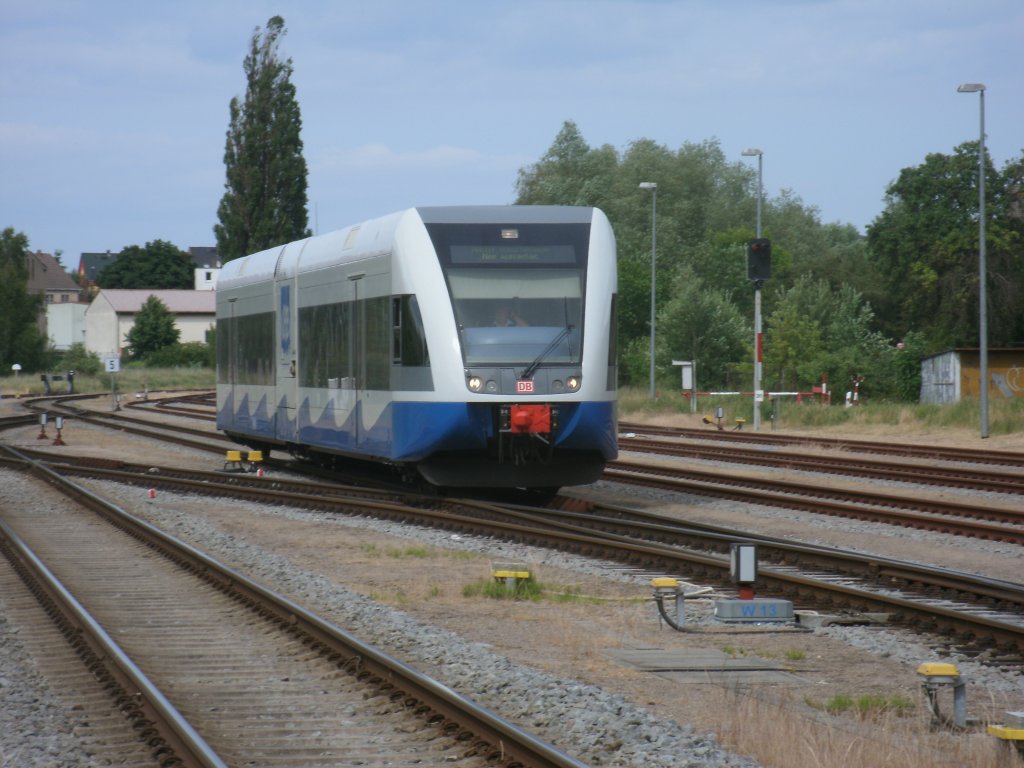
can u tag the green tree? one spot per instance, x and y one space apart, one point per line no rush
925 248
20 339
153 330
264 202
158 265
702 324
816 330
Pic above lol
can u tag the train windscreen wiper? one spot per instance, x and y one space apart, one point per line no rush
528 373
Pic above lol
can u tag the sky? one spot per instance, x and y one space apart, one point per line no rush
114 114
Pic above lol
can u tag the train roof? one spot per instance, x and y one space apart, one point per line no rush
377 236
506 214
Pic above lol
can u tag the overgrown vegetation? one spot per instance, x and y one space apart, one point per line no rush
837 304
522 589
865 706
1005 416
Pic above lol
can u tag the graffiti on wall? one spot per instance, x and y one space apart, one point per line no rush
1010 381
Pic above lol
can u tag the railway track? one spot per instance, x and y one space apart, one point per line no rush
223 671
837 463
978 617
934 599
923 452
984 521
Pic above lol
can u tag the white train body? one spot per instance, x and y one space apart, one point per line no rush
379 342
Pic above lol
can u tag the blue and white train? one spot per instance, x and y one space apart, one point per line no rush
473 346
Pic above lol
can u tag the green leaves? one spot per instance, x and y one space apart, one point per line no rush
264 202
924 246
153 330
158 264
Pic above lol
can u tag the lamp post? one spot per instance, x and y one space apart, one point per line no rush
979 88
653 186
758 394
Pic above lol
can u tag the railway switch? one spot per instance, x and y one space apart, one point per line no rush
669 591
1011 732
511 573
935 675
668 588
59 424
255 459
233 461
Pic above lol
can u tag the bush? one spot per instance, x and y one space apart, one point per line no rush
192 354
80 360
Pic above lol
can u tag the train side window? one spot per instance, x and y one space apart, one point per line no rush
409 340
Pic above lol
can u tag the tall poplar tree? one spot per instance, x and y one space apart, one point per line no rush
264 202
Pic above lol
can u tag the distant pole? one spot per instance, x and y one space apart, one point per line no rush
757 296
979 88
653 186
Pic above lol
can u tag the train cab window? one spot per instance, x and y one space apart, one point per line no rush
537 270
510 316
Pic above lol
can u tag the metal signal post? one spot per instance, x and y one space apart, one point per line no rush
757 248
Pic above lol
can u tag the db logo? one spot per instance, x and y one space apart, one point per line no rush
524 386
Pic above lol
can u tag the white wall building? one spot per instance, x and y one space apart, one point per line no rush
112 314
206 278
66 324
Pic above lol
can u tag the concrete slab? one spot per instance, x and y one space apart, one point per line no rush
704 665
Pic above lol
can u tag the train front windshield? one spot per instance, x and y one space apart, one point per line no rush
517 291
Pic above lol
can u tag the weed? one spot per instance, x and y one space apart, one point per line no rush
523 589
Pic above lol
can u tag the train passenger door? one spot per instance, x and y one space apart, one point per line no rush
287 360
347 385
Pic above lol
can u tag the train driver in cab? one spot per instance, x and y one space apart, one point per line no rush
505 316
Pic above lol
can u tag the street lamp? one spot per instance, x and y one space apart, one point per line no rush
653 186
758 394
979 88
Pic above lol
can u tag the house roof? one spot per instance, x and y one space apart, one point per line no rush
91 264
46 274
178 301
204 256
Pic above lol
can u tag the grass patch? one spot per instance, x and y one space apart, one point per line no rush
795 655
415 552
868 705
1005 416
493 589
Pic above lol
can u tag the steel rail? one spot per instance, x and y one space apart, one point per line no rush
176 733
509 742
977 456
789 493
541 528
836 464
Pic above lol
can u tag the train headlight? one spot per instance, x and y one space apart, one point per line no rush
573 383
557 385
475 383
492 385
